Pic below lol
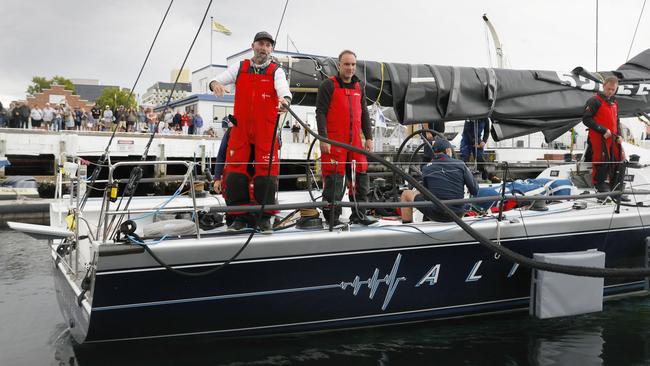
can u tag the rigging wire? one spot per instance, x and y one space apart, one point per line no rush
102 159
136 173
635 30
281 19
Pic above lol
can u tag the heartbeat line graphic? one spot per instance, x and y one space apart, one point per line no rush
391 280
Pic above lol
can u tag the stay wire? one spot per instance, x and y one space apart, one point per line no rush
171 92
153 133
635 30
281 20
102 160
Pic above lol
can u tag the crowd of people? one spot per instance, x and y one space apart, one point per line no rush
59 117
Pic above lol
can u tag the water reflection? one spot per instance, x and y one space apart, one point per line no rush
32 326
574 348
506 340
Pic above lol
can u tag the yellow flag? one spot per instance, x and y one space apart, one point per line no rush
216 27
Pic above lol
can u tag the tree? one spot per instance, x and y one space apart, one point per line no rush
39 83
66 83
115 97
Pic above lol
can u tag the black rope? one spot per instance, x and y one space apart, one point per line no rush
501 250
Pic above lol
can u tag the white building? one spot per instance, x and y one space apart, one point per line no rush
202 76
211 108
158 93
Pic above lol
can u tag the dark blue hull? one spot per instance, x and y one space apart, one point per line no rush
338 290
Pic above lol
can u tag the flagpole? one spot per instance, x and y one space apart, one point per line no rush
211 20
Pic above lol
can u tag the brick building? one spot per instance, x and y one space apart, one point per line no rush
57 95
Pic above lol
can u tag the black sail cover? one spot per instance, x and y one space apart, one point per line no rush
519 102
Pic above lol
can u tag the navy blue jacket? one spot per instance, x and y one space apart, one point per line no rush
447 177
221 156
472 136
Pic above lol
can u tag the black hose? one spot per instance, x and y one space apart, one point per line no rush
499 249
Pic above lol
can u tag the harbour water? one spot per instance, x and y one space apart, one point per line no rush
32 332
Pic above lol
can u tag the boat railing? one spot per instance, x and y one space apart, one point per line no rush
107 232
118 213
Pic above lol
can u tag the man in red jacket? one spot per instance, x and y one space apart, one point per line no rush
341 115
262 91
601 117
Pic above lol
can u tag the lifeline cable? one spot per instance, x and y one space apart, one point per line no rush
501 250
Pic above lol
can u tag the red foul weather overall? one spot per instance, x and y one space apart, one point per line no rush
344 125
605 150
256 110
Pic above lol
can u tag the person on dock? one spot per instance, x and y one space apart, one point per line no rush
601 117
295 131
36 115
185 122
262 92
107 118
24 115
48 117
197 122
341 115
446 178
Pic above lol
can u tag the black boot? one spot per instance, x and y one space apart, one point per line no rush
332 218
622 197
332 191
602 187
358 215
265 225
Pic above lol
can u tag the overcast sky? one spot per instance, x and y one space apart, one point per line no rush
108 40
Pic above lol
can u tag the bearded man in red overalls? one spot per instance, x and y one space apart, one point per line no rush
601 117
342 115
262 91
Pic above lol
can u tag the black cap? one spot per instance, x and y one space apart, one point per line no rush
440 145
264 35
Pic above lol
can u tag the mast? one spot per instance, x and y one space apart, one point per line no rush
495 39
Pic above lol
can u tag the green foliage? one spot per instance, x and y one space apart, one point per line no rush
67 84
114 97
39 83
